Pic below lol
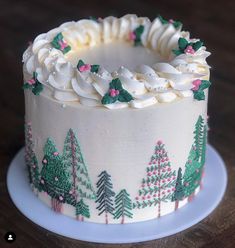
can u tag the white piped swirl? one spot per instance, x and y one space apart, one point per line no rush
148 85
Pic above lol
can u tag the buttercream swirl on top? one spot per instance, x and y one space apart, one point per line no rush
149 85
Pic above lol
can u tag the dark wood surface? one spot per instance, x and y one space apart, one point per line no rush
213 21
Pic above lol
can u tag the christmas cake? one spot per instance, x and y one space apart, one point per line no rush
116 118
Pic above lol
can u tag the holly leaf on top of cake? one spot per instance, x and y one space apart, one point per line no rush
187 47
136 34
176 24
116 93
59 43
87 67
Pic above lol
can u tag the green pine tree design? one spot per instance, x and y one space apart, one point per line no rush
105 195
54 177
123 206
196 160
30 158
198 137
179 189
82 210
73 161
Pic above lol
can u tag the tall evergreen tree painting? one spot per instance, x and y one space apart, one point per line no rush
30 158
54 177
196 159
82 210
105 195
123 206
159 184
198 137
178 194
74 163
203 158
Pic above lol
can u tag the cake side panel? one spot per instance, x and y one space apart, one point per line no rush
123 144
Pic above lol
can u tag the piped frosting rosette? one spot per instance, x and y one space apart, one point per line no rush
47 58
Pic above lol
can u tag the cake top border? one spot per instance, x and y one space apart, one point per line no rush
184 75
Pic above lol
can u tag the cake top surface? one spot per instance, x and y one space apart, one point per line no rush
117 63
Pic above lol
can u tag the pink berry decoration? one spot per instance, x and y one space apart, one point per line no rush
196 83
113 92
55 153
189 50
59 43
31 81
132 36
187 47
62 44
85 67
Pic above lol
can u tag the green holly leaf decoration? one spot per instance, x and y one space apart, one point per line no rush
177 52
26 86
59 43
204 85
80 63
197 45
162 20
95 68
107 99
182 43
55 41
138 32
176 24
37 89
116 93
199 94
116 84
187 47
92 68
125 96
34 85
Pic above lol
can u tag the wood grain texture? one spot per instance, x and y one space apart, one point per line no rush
212 21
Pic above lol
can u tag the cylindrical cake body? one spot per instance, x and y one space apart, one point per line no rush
116 166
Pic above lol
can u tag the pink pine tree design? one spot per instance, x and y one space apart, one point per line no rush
158 185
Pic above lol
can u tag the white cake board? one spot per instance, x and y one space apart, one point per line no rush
205 202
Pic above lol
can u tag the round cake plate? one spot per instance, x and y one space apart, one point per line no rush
214 185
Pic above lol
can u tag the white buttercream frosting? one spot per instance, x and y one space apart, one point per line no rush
148 84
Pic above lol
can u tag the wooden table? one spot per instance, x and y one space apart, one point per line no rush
212 21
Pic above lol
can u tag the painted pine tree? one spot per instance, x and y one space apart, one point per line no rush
54 177
74 163
178 194
204 142
158 186
30 158
203 158
105 195
123 206
196 160
198 137
82 210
